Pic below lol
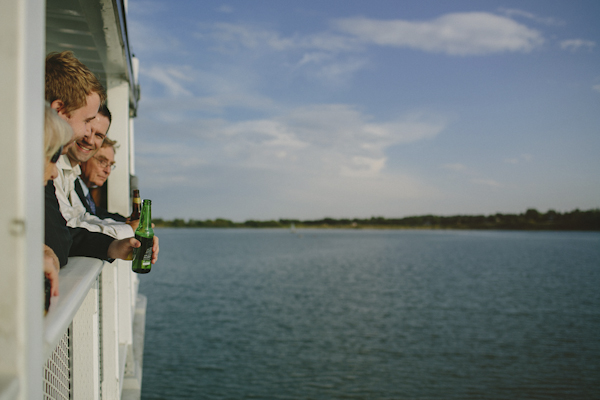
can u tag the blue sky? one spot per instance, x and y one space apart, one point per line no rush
343 109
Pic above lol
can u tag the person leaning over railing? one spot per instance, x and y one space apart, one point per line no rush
76 94
57 133
60 240
61 93
95 172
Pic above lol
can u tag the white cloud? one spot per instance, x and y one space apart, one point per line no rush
330 58
525 157
332 155
172 79
173 91
334 56
471 33
336 138
323 140
596 88
226 35
229 36
577 44
363 167
511 12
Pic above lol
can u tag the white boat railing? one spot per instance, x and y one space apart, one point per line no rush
90 332
93 335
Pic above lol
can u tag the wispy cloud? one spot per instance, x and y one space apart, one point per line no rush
231 111
335 137
305 155
175 92
335 55
172 80
473 33
512 12
313 139
228 36
526 157
577 44
325 56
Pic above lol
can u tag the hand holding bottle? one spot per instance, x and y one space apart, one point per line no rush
142 255
123 249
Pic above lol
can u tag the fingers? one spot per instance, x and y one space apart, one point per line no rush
133 244
155 250
52 276
54 287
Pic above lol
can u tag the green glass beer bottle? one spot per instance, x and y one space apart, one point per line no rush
142 256
136 206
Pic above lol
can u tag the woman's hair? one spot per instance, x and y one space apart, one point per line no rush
57 132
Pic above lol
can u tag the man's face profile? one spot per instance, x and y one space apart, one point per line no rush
80 120
96 170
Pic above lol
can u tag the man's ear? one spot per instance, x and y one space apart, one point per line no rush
59 106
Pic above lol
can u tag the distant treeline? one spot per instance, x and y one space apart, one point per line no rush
529 220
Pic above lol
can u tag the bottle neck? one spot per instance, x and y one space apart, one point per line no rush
146 216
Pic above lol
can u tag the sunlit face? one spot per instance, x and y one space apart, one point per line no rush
81 121
96 170
50 171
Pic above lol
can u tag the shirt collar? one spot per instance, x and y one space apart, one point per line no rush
84 187
64 164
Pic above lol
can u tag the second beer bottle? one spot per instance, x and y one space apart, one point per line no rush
137 204
142 256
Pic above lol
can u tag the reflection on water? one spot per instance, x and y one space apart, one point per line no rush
326 314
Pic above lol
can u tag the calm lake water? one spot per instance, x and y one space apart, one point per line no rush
341 314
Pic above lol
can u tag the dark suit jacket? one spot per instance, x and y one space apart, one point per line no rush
70 242
100 212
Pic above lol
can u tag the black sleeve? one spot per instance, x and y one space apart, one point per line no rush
70 242
56 233
89 244
103 213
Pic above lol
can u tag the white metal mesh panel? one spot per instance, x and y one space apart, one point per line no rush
57 371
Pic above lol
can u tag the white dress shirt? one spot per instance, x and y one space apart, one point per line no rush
73 209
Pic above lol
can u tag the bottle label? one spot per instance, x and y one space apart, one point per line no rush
142 256
137 200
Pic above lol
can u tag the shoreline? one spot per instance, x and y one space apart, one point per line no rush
551 220
387 228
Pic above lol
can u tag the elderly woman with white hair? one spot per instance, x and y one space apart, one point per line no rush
57 135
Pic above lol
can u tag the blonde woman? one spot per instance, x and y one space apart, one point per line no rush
57 135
